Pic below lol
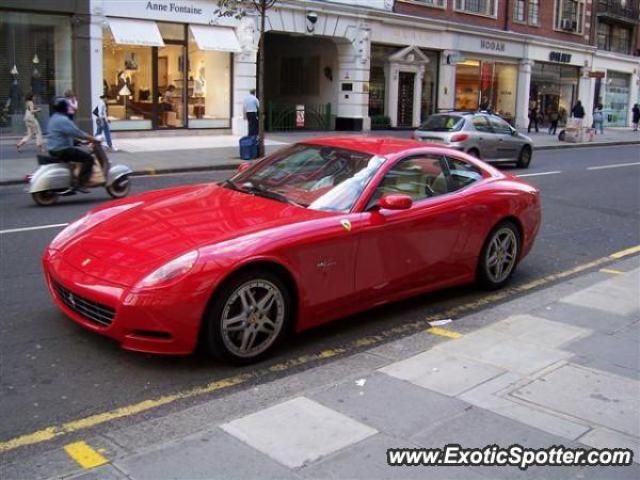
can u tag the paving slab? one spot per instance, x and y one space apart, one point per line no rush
621 352
492 396
537 330
368 461
442 372
596 397
214 455
298 431
601 437
618 295
390 405
105 472
585 317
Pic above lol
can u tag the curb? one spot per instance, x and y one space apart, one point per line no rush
232 165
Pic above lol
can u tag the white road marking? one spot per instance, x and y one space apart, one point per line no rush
539 173
29 229
616 165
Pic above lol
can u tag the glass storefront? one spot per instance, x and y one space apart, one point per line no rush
35 57
554 88
616 93
176 85
487 85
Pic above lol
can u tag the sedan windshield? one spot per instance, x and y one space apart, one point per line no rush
442 123
317 177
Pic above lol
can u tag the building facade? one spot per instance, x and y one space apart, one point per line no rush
176 65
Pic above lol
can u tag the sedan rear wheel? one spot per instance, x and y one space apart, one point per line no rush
525 157
248 318
499 256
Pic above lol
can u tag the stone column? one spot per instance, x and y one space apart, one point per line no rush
586 91
447 82
417 96
87 66
244 73
522 95
392 72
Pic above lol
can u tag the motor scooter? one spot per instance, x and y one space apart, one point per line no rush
55 178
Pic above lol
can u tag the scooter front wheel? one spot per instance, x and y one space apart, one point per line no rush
119 188
45 198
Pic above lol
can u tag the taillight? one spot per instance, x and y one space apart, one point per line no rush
459 137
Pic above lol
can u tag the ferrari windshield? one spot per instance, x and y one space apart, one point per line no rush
313 176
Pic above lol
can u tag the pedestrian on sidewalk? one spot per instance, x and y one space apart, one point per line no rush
635 117
32 124
72 104
578 111
251 107
598 119
102 122
554 116
533 116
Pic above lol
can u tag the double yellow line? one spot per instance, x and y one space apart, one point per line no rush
58 431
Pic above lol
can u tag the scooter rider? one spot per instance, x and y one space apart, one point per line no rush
62 132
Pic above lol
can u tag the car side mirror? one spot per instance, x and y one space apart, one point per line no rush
514 132
395 202
243 166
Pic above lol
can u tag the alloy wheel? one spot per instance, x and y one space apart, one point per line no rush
252 318
501 255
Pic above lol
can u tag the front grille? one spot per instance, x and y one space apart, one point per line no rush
92 311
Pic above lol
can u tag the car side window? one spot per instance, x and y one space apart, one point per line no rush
500 126
461 174
420 177
481 124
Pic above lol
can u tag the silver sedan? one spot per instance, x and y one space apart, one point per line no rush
483 135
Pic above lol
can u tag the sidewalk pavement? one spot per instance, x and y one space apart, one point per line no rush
558 366
168 154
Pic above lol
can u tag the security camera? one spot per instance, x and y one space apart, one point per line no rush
312 17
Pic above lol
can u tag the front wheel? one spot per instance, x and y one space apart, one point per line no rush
525 157
120 187
249 317
499 256
46 198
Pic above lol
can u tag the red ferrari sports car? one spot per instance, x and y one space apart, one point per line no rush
317 231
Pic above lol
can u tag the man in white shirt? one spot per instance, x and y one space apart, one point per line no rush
103 122
251 106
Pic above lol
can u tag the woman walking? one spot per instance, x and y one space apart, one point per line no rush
72 104
31 122
102 122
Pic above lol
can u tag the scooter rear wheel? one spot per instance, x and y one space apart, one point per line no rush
119 188
46 198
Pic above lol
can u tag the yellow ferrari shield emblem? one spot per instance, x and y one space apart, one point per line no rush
346 224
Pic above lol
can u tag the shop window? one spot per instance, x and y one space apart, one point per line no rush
569 15
487 86
478 7
127 84
300 76
208 88
616 98
35 56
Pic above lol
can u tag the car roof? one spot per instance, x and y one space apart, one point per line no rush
370 145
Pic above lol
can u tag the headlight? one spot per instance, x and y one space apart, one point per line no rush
69 231
173 270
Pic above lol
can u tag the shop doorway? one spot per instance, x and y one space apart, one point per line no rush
554 90
171 89
405 99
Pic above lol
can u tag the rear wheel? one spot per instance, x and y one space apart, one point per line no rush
474 152
499 256
524 159
249 317
120 187
46 198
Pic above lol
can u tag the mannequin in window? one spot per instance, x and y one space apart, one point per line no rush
200 83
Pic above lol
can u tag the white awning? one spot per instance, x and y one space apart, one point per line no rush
135 32
221 39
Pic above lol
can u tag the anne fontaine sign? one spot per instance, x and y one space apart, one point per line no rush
173 7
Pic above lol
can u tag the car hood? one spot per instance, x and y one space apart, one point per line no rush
153 228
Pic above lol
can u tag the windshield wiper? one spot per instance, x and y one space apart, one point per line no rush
232 185
262 192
